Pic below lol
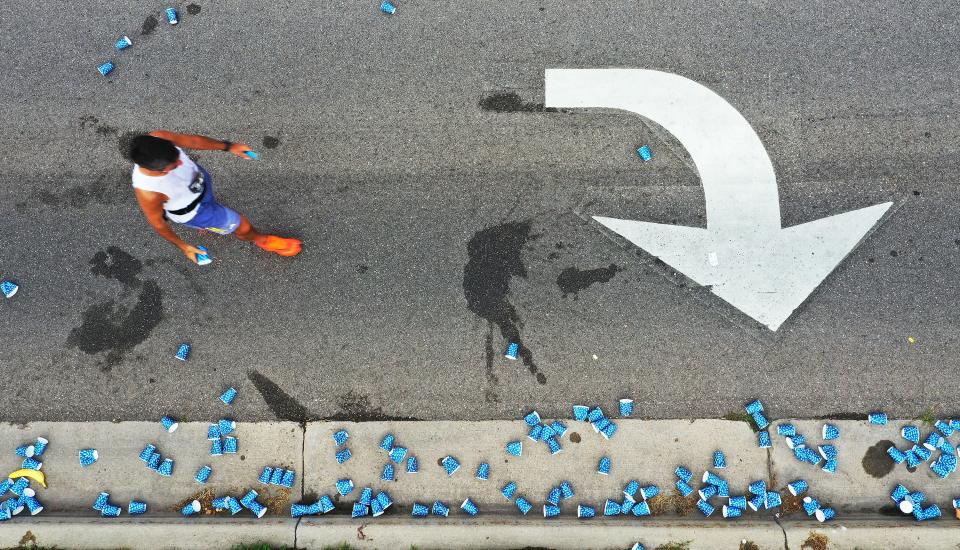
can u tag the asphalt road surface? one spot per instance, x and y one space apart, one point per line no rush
445 212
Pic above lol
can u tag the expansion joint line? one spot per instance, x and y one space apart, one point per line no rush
772 481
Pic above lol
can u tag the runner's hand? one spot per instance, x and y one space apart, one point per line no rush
191 252
240 149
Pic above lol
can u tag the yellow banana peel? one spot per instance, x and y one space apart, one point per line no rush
35 475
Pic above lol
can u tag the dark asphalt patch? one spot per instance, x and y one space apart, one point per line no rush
511 102
271 142
117 264
876 461
283 405
193 9
355 407
490 394
105 190
573 280
109 327
496 256
149 25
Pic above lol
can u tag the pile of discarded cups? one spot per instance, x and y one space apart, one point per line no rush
18 482
938 440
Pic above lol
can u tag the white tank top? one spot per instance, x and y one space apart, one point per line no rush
181 186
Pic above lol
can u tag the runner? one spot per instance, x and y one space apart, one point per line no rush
169 185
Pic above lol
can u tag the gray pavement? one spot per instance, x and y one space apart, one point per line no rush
442 217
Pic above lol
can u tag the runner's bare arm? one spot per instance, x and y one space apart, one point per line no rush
152 205
201 143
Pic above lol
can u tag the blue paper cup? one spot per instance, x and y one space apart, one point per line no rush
877 418
228 396
299 510
705 508
265 475
166 468
216 447
515 448
603 467
203 474
626 407
786 430
213 432
412 465
9 288
172 16
554 496
191 508
344 486
384 499
450 465
155 461
440 509
104 69
825 514
566 490
774 500
387 442
326 504
183 352
387 474
137 508
169 424
580 412
719 460
340 437
469 507
523 505
226 426
110 511
288 477
32 463
611 508
585 512
508 490
753 407
550 511
230 445
830 432
684 488
513 350
483 471
102 500
88 457
420 510
641 509
40 446
797 487
397 454
554 446
649 491
366 495
26 451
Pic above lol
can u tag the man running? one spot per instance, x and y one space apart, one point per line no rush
169 185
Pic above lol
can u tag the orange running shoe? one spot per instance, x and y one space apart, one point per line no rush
281 246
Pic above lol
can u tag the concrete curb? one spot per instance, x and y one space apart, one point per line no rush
494 532
645 450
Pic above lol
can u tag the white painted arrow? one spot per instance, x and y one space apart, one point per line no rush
744 254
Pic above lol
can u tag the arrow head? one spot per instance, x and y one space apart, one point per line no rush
765 274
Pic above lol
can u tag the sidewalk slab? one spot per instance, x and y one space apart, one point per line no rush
899 534
865 473
119 471
513 533
645 450
145 533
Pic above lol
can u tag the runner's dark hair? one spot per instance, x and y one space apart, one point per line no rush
152 153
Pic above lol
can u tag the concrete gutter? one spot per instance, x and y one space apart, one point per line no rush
644 450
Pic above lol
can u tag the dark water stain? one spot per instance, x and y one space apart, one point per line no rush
109 327
490 395
193 9
572 280
88 120
149 25
553 256
890 510
362 268
575 437
47 198
271 142
117 264
876 461
283 405
105 130
343 188
511 102
355 407
496 256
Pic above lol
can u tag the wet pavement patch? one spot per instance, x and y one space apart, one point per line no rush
116 264
193 9
283 405
511 102
109 327
876 461
573 280
495 257
271 142
355 407
149 25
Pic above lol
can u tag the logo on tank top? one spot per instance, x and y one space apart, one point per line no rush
196 186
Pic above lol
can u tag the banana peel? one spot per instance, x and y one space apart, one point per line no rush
35 475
